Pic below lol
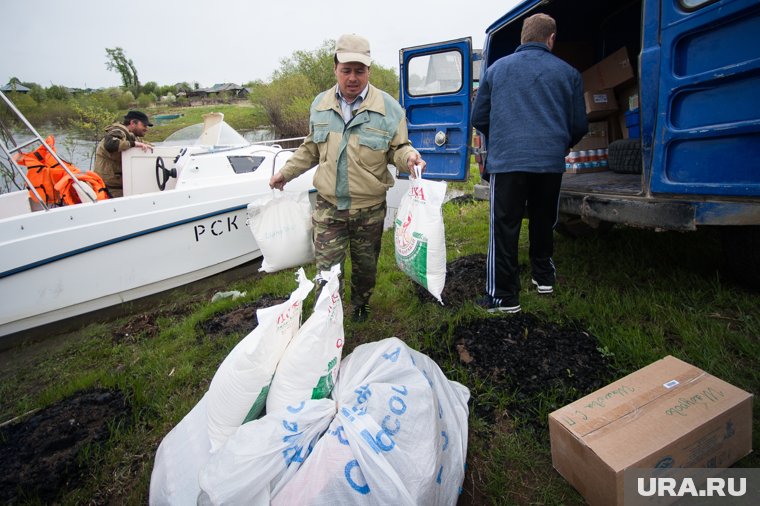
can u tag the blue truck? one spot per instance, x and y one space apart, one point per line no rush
675 141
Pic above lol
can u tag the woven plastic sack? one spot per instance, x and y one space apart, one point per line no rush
419 235
399 436
237 393
281 224
179 458
263 454
309 367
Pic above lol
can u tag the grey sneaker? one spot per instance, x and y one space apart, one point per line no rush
542 289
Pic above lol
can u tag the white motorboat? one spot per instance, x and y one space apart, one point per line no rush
182 218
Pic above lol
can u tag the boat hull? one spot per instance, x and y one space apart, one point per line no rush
82 258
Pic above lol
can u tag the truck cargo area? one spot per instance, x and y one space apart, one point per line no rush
588 32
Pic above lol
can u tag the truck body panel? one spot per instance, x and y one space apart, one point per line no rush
695 71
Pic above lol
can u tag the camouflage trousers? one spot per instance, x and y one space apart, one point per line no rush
359 231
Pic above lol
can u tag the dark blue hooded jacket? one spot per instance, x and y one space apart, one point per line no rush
530 108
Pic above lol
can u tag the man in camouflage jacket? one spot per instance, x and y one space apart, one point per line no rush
120 137
355 131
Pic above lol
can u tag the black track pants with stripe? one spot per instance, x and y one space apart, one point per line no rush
511 194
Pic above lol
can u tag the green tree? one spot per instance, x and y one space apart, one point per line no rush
150 87
145 100
55 92
37 92
286 103
14 81
316 66
116 60
385 78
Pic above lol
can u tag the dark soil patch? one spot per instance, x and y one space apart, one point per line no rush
146 324
465 281
541 362
241 320
45 454
468 198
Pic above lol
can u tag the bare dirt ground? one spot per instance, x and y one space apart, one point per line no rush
42 453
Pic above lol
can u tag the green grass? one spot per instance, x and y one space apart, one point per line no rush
643 294
241 116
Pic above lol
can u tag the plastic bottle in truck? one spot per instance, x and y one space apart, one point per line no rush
672 90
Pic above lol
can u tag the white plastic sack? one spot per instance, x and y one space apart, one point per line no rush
179 459
237 393
399 437
281 224
309 367
263 454
419 235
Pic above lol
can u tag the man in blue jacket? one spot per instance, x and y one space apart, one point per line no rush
530 108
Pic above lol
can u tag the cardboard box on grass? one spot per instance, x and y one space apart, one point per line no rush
668 414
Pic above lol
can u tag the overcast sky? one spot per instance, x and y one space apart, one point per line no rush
214 41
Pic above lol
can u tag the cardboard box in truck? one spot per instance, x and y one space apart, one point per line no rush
612 71
600 104
668 414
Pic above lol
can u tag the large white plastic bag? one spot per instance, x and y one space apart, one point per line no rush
399 437
179 459
309 366
419 235
281 224
238 391
263 454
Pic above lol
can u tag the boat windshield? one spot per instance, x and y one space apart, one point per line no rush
190 136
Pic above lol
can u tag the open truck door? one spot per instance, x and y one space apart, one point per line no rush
436 89
707 135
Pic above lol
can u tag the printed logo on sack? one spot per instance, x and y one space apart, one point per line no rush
417 193
331 309
405 240
286 318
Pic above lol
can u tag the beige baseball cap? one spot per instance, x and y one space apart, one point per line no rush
353 48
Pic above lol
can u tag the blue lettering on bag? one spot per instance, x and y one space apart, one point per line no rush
397 405
296 409
393 357
362 489
389 431
376 442
363 393
339 433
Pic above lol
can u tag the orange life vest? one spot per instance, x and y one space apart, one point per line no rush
67 189
52 182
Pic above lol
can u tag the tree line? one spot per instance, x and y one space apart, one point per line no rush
282 102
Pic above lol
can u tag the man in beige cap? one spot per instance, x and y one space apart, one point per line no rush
355 131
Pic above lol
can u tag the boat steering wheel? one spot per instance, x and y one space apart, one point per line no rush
163 174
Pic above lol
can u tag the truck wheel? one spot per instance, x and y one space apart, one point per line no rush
625 156
572 226
741 254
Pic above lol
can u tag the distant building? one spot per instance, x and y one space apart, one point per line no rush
234 91
17 87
